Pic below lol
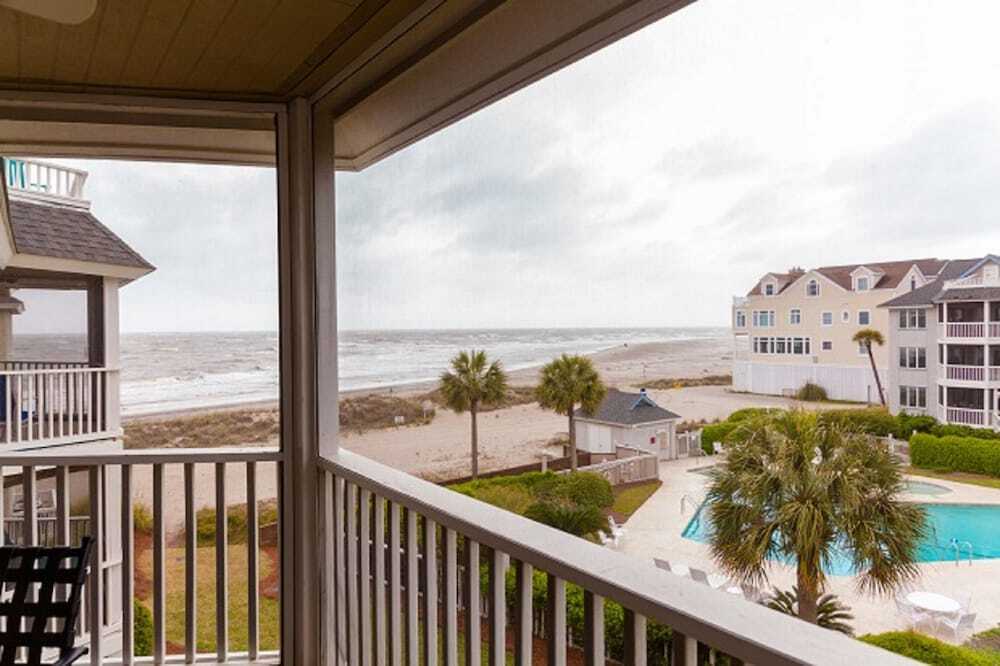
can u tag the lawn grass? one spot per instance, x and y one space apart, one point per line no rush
269 610
956 477
630 498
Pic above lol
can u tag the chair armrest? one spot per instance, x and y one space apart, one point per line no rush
71 656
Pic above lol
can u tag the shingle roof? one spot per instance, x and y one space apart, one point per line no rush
628 409
927 294
970 294
68 233
892 272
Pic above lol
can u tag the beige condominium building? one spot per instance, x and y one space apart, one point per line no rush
796 327
944 345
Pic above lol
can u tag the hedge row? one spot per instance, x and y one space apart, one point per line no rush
930 650
958 454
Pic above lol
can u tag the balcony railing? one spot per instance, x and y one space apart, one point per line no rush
995 329
110 481
963 416
55 406
963 330
42 179
382 523
966 373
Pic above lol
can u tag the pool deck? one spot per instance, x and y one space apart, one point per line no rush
655 531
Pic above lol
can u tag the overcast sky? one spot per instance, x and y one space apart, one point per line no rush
644 185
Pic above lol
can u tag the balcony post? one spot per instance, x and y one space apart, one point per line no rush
103 344
308 328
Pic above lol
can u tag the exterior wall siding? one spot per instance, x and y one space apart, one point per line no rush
900 376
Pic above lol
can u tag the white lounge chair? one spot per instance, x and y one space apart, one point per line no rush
617 531
959 623
699 576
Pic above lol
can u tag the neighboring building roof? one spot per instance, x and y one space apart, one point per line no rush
68 233
782 280
628 409
927 295
890 273
970 294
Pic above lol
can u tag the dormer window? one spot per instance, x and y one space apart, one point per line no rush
812 288
769 289
913 283
862 284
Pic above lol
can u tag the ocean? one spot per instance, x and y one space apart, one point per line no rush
173 371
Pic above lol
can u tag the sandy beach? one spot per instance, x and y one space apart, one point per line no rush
508 437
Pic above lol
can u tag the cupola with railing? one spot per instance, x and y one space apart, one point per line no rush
45 182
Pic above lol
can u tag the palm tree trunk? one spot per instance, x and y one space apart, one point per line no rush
807 596
572 443
878 380
475 443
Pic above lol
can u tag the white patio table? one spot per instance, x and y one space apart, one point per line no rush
933 602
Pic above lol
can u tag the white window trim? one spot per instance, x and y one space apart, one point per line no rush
845 316
794 323
869 313
821 317
773 286
857 283
736 319
819 288
822 346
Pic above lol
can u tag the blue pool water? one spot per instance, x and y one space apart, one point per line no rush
977 524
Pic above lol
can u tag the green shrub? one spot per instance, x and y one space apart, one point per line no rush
952 430
142 519
588 489
574 519
236 522
515 499
811 392
142 634
907 424
751 412
959 454
716 432
930 650
873 420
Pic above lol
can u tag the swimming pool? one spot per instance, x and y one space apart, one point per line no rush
974 524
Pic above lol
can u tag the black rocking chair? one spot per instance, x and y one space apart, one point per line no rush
35 573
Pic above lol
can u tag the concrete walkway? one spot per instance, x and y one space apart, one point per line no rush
655 531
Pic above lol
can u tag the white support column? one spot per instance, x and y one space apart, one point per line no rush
103 343
308 367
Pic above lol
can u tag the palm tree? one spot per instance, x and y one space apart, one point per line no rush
795 489
566 382
471 382
831 613
869 337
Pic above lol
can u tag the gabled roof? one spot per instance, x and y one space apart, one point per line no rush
927 295
892 272
781 280
66 232
990 258
889 274
627 409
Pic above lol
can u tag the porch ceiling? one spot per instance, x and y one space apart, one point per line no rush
389 71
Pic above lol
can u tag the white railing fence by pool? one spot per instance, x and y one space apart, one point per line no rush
640 466
962 416
967 373
110 483
51 406
370 614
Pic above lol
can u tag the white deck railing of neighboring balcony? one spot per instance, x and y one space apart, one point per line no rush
963 416
963 330
53 403
44 179
966 373
108 632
